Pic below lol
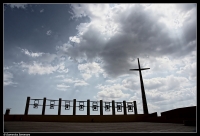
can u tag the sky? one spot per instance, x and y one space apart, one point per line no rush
86 51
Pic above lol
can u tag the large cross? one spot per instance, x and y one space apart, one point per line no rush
144 101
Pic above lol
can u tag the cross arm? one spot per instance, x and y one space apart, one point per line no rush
139 69
144 68
134 69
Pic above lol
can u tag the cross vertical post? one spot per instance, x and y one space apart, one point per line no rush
144 101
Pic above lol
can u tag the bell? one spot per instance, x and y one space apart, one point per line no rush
35 105
118 107
51 106
66 106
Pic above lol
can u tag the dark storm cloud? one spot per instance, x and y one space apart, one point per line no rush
92 42
143 34
140 34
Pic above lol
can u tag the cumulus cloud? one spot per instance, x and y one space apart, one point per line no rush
76 82
166 65
47 57
121 33
18 5
166 84
41 69
38 68
41 56
7 79
174 99
31 54
131 83
74 39
81 83
111 92
164 93
161 84
62 87
188 67
62 68
89 69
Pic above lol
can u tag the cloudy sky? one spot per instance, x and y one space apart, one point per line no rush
85 51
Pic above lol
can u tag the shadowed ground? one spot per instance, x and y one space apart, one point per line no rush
95 127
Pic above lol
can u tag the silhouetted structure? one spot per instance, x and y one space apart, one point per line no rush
144 101
131 106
